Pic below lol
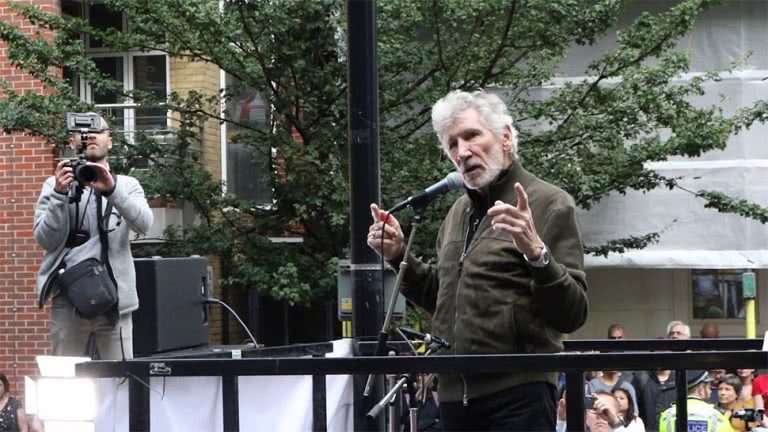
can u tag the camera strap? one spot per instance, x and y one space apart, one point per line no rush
80 222
46 291
103 235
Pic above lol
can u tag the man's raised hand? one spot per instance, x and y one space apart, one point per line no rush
394 243
518 222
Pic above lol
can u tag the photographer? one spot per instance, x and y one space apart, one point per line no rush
82 209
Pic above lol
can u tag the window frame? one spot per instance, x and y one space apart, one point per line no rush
86 91
227 155
717 273
87 16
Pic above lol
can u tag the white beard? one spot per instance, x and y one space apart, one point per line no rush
494 168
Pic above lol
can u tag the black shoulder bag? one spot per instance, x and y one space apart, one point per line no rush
89 285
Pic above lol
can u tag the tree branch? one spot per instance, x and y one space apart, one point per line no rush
500 49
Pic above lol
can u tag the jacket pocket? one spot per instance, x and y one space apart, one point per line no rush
532 335
511 326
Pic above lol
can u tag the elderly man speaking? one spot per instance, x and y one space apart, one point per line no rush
509 274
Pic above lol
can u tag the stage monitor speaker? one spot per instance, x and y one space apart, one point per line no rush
171 312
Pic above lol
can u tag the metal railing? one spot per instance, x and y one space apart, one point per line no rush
678 355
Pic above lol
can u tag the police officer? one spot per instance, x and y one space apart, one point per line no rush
702 416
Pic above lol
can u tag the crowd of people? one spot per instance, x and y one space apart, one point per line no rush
722 399
638 401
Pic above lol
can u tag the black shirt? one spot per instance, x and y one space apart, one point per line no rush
9 419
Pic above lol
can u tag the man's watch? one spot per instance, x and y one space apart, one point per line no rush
542 261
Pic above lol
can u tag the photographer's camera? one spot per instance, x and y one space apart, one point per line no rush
88 122
84 173
85 124
749 415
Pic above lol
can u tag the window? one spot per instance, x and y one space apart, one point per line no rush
248 165
147 71
150 75
113 67
103 18
718 294
140 71
72 8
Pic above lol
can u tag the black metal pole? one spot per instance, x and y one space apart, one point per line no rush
138 402
223 311
574 393
231 403
367 315
319 410
367 294
681 389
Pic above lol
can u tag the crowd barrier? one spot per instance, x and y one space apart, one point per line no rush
310 360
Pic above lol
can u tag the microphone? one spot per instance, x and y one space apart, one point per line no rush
427 338
450 183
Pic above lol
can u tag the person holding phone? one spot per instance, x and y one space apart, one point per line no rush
601 413
627 410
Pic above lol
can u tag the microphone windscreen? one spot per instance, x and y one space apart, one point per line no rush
454 180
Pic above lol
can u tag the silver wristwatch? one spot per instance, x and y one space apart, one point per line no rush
542 261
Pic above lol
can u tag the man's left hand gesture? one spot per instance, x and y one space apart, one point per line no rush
518 222
104 182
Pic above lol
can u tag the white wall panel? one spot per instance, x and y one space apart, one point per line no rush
645 300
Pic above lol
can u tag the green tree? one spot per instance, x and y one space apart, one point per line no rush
589 138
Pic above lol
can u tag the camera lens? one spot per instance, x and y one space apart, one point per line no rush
85 174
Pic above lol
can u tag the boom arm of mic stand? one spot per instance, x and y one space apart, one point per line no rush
374 412
381 344
404 379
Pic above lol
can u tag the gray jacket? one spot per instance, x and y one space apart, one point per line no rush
53 216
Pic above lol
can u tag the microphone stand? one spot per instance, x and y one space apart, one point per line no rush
390 396
381 344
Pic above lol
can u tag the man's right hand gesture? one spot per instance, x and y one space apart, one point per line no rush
394 241
64 177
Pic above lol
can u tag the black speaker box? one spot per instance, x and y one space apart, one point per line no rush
171 313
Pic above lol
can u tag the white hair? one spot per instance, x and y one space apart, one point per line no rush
493 112
673 324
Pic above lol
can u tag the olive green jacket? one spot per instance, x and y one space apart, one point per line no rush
487 299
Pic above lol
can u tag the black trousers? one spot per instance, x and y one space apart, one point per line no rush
526 407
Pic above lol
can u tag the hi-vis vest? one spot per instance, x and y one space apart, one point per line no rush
702 417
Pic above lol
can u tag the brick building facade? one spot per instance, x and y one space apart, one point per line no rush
25 163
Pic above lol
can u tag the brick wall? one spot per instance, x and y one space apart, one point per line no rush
25 162
204 78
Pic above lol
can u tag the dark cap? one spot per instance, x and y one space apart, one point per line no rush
696 377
